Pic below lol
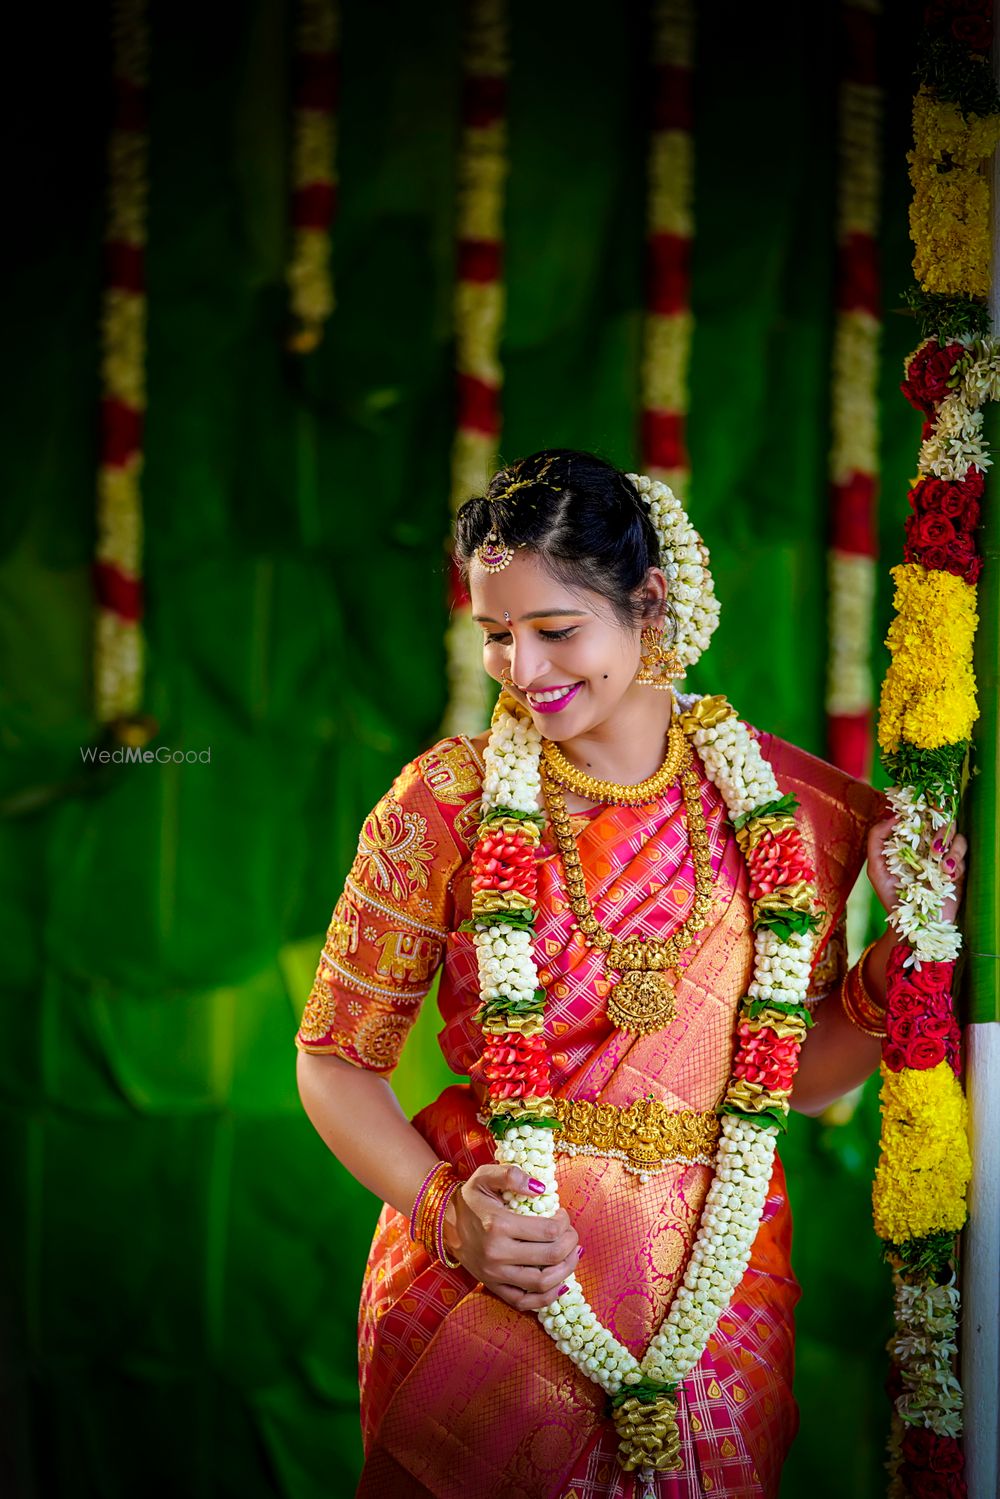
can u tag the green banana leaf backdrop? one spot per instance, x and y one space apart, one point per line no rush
180 1256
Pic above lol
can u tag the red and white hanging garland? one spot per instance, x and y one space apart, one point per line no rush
479 313
773 1017
314 178
118 663
668 324
854 459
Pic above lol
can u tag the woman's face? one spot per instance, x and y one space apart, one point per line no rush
570 657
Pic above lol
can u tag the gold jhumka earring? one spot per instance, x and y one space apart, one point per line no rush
660 662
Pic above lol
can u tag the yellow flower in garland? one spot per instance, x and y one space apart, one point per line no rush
929 692
925 1165
950 212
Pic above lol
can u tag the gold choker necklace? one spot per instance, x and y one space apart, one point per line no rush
643 998
565 773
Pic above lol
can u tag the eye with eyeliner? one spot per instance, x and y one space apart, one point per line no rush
500 637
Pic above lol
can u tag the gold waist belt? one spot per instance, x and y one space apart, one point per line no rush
647 1135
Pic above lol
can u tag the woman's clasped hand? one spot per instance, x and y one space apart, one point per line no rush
524 1259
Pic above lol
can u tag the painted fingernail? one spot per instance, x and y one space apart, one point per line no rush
579 1251
937 845
949 864
535 1186
562 1290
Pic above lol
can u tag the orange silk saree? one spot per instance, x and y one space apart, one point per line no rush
462 1397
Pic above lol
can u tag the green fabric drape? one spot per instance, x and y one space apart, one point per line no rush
181 1256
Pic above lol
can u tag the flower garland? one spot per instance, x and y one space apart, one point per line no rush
479 311
928 707
314 178
772 1023
118 665
669 326
854 465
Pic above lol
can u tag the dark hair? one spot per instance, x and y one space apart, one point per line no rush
578 512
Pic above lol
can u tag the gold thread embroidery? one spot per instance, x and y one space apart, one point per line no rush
380 1039
320 1011
394 853
406 957
832 963
394 912
343 932
449 773
363 982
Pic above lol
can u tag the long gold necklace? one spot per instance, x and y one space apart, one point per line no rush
613 793
643 1000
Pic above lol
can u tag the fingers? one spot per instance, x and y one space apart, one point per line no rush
496 1179
543 1252
529 1290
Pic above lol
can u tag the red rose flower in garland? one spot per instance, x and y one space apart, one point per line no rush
939 532
921 1029
504 861
765 1057
930 1460
928 371
517 1066
778 859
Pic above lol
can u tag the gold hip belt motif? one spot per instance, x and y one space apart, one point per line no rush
646 1135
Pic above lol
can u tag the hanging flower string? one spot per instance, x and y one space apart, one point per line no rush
118 664
314 178
772 1024
479 312
927 710
668 326
854 462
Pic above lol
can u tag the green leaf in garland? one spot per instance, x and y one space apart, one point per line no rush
510 814
751 1008
504 1005
522 921
946 316
501 1123
763 1120
788 922
645 1390
785 804
930 1255
949 70
936 773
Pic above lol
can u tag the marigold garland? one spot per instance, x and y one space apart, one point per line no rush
314 178
479 312
928 708
118 665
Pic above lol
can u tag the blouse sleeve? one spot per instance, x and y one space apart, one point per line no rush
836 814
386 937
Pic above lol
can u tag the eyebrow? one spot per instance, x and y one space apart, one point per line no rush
486 619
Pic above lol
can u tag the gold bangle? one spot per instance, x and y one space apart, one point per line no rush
858 1004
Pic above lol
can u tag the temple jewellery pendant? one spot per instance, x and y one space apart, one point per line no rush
643 1001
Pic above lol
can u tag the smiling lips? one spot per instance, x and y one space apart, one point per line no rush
554 699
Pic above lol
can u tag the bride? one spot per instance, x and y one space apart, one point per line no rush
580 1283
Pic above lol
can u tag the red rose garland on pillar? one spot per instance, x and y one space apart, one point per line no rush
314 181
118 663
670 226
